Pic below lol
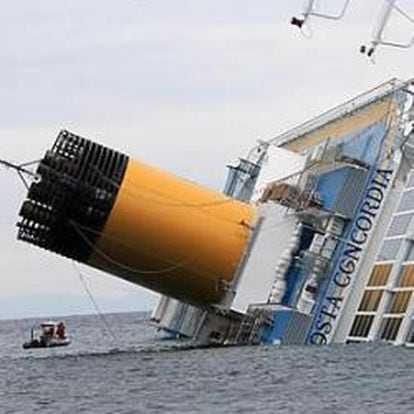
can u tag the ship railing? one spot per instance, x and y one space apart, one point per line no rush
364 99
251 327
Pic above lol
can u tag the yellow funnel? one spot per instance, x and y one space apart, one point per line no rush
136 222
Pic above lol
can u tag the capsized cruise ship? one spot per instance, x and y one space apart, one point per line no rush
311 242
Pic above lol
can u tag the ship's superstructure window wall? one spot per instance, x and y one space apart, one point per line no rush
385 312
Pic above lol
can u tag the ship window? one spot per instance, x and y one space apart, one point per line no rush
399 302
410 254
410 334
361 326
370 300
379 275
410 181
389 328
399 225
352 341
407 201
389 250
406 278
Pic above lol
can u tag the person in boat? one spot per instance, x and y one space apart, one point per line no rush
47 335
52 334
61 330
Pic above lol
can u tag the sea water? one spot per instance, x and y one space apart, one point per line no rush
121 365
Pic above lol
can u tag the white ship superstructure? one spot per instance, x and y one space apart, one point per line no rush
331 258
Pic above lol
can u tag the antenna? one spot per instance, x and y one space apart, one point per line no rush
388 8
310 10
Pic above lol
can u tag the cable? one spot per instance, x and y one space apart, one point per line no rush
227 200
125 267
94 303
121 241
21 170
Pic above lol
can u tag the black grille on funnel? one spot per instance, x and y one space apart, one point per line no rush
78 187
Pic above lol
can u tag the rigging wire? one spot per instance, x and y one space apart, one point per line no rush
21 170
225 199
213 203
79 227
94 303
123 266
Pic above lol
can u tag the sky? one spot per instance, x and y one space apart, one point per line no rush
188 86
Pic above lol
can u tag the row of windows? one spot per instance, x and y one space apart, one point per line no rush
390 325
390 249
371 299
388 330
380 274
398 302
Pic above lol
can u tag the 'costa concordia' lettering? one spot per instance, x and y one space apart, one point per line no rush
310 242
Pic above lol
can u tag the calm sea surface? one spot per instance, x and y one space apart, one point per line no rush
138 373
